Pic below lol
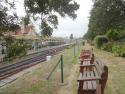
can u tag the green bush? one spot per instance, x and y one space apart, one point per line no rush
107 47
116 34
119 50
116 50
123 50
15 50
100 40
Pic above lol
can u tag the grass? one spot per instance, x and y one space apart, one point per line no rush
116 76
34 82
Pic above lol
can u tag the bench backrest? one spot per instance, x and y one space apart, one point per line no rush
86 51
87 58
103 72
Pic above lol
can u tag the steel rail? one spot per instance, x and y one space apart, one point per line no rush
11 69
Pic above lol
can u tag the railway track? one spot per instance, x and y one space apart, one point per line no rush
11 69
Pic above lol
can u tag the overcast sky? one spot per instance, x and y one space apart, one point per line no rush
68 26
77 27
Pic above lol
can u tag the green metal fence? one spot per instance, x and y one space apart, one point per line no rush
61 63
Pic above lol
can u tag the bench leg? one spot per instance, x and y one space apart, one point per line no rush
98 89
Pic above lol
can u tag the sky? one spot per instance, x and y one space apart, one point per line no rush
67 26
76 27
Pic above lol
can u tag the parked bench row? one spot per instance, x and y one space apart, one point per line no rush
93 74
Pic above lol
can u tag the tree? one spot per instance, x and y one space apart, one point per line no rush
71 36
106 14
46 30
8 22
25 21
48 9
89 35
112 34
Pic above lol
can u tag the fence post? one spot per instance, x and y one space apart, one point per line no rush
62 79
78 46
74 51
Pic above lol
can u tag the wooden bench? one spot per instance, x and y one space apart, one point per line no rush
92 81
85 55
86 51
90 58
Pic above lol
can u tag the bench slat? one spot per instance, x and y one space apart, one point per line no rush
99 70
90 85
92 74
89 82
94 84
87 65
84 75
85 85
101 65
87 59
95 72
80 76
